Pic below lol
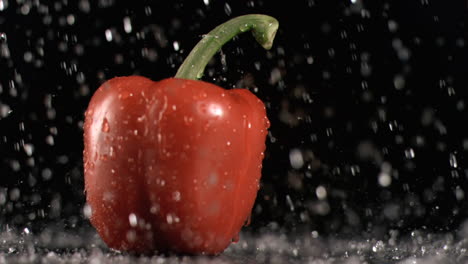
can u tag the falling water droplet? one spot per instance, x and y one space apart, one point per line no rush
5 110
384 179
127 24
3 36
29 149
227 9
409 153
321 192
176 45
290 203
132 219
296 159
109 36
3 4
453 161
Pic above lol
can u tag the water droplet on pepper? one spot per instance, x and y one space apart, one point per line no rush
105 126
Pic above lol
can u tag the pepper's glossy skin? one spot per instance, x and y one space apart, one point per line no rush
172 165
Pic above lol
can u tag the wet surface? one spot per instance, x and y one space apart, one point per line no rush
84 246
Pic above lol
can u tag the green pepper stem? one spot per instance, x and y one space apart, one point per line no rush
263 29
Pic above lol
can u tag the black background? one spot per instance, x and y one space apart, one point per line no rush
355 87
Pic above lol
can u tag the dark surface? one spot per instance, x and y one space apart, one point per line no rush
357 88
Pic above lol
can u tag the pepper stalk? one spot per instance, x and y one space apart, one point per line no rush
263 28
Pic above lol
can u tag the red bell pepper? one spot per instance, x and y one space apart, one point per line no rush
174 165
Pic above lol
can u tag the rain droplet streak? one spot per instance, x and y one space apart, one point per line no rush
290 203
227 9
109 35
453 160
3 36
132 219
127 24
5 53
5 110
176 45
3 5
50 140
28 149
87 212
399 81
409 153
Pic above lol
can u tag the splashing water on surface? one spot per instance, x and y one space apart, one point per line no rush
56 245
